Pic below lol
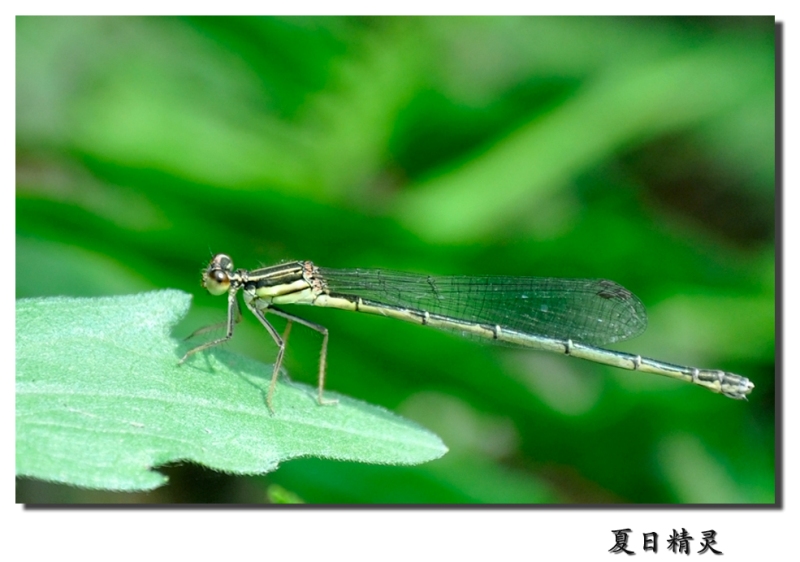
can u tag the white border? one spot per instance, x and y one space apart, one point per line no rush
503 534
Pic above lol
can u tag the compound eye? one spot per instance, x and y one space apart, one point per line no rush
217 281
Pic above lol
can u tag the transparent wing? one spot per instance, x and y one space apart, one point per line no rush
591 311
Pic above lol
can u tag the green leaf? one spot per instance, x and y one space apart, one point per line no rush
101 401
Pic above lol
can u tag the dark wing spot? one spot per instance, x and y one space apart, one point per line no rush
611 290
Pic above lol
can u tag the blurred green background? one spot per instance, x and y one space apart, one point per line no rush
636 149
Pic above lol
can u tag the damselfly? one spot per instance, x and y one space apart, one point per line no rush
569 316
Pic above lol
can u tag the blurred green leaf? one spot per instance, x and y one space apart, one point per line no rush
279 494
628 103
101 401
